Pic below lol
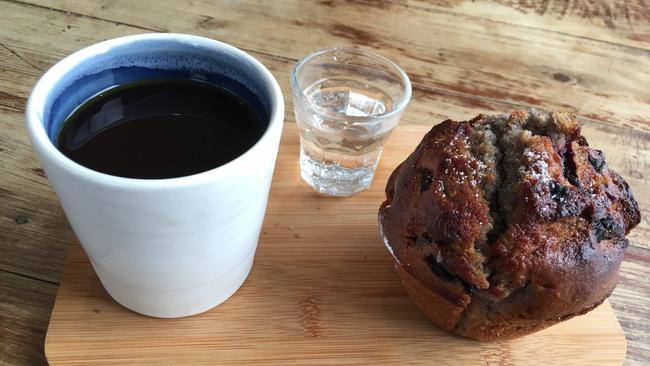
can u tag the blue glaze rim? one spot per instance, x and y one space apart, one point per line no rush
79 76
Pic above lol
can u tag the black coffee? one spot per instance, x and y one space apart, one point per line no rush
160 129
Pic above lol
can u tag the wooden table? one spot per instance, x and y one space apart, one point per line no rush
591 57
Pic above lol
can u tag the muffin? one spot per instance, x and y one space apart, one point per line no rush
504 225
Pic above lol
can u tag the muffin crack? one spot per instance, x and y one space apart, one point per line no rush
496 210
569 169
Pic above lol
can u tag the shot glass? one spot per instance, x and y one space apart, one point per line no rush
346 101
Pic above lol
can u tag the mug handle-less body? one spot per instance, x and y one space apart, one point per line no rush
162 247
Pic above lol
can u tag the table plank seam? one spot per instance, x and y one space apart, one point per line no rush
271 55
83 15
29 277
19 56
516 105
576 36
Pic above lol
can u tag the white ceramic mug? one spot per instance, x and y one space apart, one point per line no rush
161 247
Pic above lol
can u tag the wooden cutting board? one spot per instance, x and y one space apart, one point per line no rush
323 290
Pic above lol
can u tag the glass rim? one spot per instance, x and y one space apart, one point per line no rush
300 94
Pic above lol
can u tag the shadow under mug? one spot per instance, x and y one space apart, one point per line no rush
161 247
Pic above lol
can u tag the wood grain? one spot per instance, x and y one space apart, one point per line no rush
631 300
323 290
524 66
31 219
25 308
561 61
621 22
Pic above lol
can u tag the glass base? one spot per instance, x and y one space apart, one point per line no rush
333 179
